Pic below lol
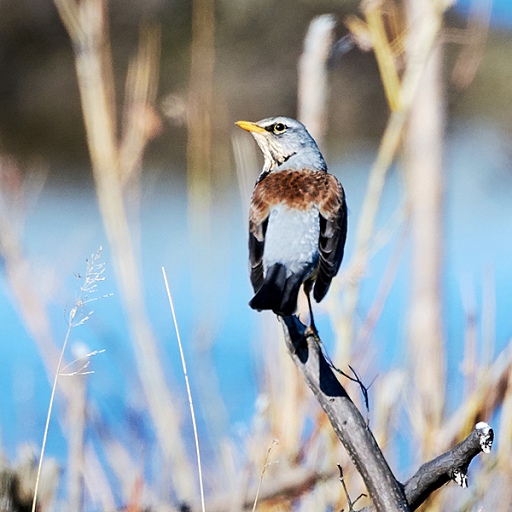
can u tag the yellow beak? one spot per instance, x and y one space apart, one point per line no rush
251 127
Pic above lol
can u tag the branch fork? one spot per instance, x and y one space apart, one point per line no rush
352 430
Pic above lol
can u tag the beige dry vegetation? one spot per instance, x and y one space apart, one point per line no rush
300 471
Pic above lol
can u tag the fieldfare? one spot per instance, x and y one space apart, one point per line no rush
297 220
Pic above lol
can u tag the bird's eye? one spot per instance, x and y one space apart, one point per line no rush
279 128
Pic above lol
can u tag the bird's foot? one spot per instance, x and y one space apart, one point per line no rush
312 331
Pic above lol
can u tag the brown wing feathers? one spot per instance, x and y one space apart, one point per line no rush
300 190
331 248
333 233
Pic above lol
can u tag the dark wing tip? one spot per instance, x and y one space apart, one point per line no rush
331 246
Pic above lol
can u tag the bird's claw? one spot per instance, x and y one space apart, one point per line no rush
311 331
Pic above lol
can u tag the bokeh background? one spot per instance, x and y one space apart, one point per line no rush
121 436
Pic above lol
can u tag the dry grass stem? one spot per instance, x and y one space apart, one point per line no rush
93 275
475 37
469 365
288 485
488 317
313 83
306 478
425 40
96 481
199 117
89 33
50 407
423 158
140 120
489 393
189 392
382 292
18 268
265 465
386 57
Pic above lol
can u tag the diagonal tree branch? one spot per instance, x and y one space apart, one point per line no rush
452 465
351 429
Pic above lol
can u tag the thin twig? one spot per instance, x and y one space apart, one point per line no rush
265 465
189 393
347 495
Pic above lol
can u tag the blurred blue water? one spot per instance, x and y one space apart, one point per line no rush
64 228
501 13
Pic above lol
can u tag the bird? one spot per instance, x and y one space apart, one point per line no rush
297 218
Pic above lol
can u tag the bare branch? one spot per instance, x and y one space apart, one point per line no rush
351 429
348 424
451 465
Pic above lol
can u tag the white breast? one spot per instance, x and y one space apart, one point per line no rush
292 239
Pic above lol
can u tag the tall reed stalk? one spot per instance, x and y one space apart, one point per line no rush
423 151
114 162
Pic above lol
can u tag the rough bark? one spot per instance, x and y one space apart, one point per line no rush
351 429
349 425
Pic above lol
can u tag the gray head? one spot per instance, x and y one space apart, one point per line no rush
286 144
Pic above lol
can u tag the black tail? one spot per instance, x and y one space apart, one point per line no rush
278 292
